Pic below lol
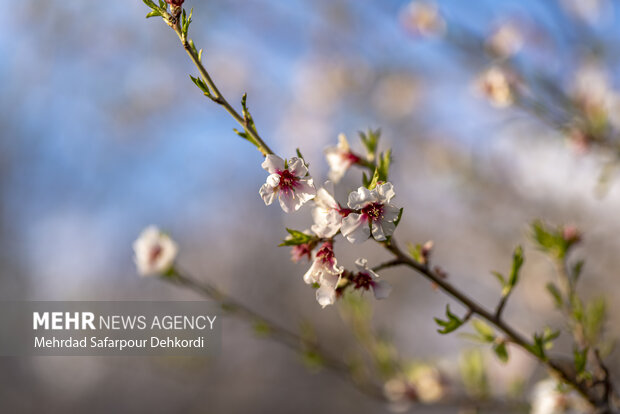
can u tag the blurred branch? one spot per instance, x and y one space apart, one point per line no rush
566 374
273 330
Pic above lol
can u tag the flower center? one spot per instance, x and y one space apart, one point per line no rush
373 212
326 253
155 253
363 281
288 181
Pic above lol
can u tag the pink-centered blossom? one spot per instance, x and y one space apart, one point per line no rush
289 182
366 279
374 214
326 273
154 252
340 158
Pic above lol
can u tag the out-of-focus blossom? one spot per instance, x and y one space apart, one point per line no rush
505 41
326 273
366 279
396 95
154 251
376 214
400 393
428 383
548 399
496 84
290 183
300 251
327 214
423 18
587 10
592 91
340 158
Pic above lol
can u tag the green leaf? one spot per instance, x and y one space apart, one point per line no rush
201 85
375 180
370 139
550 240
581 359
296 238
484 330
500 277
451 324
501 352
150 4
517 262
577 270
555 293
154 13
383 166
186 21
415 251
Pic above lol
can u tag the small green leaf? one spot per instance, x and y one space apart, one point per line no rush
154 13
383 166
370 139
484 330
517 262
150 4
581 359
451 324
555 293
295 238
501 352
375 180
201 85
500 277
415 251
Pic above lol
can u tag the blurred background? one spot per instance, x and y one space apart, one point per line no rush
104 134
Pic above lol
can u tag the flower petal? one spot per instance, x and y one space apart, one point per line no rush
268 193
273 163
361 198
381 289
390 212
297 167
385 192
327 222
325 296
381 230
354 228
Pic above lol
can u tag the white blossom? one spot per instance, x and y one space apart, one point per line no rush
326 214
376 214
340 158
289 182
423 18
496 85
155 252
326 273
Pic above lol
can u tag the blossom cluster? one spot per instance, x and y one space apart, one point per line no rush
369 213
